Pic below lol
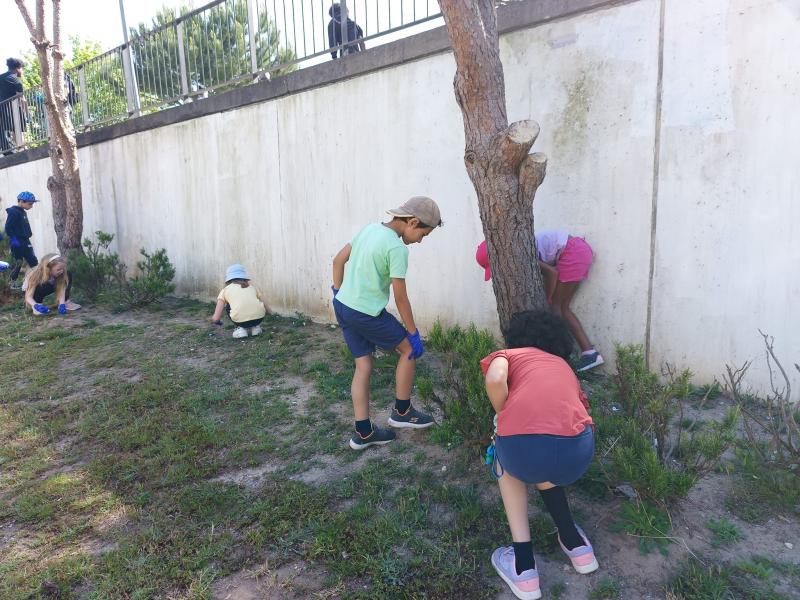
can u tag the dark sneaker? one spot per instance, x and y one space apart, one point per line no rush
378 437
411 418
589 361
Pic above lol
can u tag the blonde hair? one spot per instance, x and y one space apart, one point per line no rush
41 273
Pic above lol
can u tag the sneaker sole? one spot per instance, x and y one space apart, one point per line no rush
514 590
596 363
590 568
407 425
355 446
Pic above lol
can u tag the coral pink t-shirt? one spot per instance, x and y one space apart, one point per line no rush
544 396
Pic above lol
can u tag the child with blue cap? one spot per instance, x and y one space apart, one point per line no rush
243 303
19 235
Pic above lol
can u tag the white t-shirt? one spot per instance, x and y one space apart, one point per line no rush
549 244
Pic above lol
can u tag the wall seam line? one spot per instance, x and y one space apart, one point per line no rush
656 175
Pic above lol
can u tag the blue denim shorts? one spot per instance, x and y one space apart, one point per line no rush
363 333
537 458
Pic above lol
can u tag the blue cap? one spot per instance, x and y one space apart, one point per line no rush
26 197
235 272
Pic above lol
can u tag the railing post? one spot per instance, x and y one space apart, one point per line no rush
182 61
16 117
84 97
131 89
252 27
343 23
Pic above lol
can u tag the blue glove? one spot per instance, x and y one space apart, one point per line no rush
14 242
335 291
41 308
417 349
217 322
4 265
62 309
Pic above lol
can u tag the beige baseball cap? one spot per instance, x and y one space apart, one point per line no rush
421 207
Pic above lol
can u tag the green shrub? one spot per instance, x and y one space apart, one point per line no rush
153 282
99 273
606 589
724 530
466 407
644 444
648 523
96 269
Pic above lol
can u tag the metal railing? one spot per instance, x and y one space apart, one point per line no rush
221 45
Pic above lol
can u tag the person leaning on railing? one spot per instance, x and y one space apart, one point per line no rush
354 32
10 86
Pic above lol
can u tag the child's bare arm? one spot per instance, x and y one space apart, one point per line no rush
403 304
218 311
264 302
550 275
497 383
339 262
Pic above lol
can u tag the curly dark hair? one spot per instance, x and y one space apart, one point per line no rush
14 63
540 329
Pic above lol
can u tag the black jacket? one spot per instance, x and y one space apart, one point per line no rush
17 225
354 32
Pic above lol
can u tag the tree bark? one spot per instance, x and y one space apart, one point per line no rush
504 174
65 182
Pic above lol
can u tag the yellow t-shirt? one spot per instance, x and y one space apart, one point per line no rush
245 303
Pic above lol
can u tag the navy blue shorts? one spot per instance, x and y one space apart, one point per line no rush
537 458
363 333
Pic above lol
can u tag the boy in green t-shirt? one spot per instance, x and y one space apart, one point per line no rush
363 271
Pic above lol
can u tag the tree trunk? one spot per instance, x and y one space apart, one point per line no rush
504 175
65 182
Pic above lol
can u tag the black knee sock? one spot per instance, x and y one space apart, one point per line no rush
523 556
364 428
555 500
402 406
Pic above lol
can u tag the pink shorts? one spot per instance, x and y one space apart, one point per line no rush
575 259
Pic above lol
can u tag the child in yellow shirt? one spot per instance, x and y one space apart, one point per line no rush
243 303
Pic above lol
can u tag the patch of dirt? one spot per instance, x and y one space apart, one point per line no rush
295 581
333 468
296 390
250 478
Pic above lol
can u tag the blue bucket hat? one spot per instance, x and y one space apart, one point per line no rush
26 197
236 272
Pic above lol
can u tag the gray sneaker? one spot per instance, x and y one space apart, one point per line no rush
589 361
378 437
412 418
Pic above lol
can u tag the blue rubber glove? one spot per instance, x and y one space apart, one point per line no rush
417 349
335 291
41 308
4 265
14 242
62 309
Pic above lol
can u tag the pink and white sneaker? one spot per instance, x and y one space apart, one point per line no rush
582 557
525 586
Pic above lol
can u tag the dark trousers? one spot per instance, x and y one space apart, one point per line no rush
245 324
44 290
24 253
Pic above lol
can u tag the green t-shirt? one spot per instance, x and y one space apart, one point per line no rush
377 256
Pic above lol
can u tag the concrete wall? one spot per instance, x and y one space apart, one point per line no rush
280 185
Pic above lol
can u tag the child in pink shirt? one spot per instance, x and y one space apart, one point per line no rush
544 437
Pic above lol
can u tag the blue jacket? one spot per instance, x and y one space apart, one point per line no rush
17 225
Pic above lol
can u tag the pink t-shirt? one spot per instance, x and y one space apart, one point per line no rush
544 396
